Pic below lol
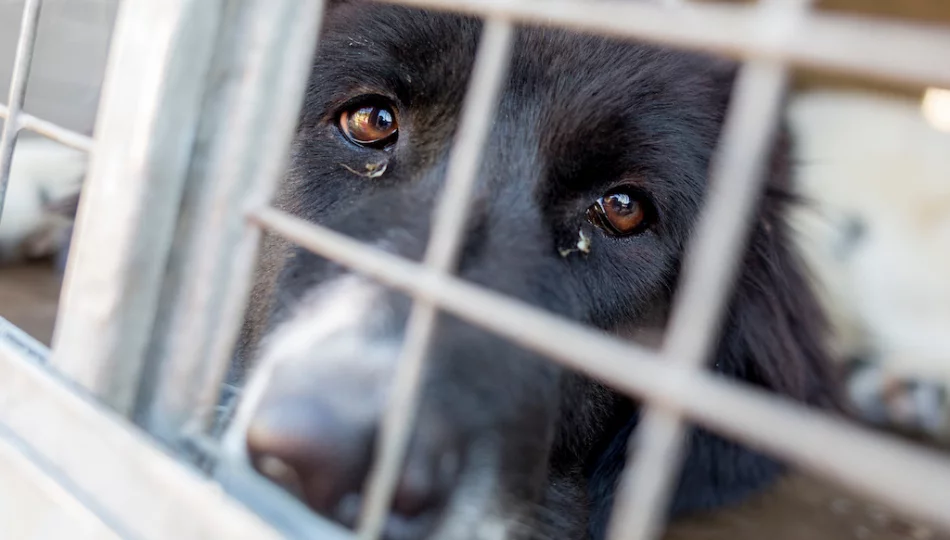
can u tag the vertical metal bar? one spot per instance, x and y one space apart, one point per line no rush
709 271
21 75
489 76
151 101
263 59
656 449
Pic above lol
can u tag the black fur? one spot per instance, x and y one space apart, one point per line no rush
580 115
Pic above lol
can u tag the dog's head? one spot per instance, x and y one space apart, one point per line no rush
589 186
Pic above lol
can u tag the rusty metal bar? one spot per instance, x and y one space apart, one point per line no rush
21 76
901 52
448 233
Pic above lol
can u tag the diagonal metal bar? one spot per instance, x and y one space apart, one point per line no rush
908 478
117 472
50 130
448 233
895 473
21 75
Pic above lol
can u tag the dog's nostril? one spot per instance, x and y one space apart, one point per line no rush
280 472
424 486
274 467
324 460
308 450
415 495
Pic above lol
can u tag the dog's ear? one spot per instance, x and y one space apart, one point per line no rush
776 334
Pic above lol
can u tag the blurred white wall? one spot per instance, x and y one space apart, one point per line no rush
71 51
876 232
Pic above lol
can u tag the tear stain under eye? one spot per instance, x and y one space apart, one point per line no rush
373 170
582 245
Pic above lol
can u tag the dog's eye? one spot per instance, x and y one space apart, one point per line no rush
369 124
622 212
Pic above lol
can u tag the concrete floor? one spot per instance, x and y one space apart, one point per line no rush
802 508
799 508
28 296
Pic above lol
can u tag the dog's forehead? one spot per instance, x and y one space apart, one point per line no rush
430 54
574 102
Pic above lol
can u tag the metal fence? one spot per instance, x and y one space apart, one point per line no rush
197 112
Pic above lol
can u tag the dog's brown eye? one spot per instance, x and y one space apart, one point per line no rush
621 212
369 125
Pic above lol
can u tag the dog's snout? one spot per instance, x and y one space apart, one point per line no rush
324 457
307 448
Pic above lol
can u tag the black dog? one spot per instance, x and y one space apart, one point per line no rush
590 185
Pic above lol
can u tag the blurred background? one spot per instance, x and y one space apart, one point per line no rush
72 46
873 169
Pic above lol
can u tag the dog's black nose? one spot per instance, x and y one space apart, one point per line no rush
323 456
310 450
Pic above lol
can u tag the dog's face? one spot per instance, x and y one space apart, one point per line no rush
588 187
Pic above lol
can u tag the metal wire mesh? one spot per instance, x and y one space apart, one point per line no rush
736 180
21 73
770 37
736 183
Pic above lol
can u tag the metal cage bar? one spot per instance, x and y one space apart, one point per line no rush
149 123
708 274
124 482
155 79
34 505
15 120
753 117
50 130
449 225
262 60
21 75
714 255
911 53
896 473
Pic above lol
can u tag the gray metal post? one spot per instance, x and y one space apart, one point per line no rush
151 102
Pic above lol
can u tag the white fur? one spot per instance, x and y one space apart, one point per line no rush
341 328
476 511
42 171
334 330
877 159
